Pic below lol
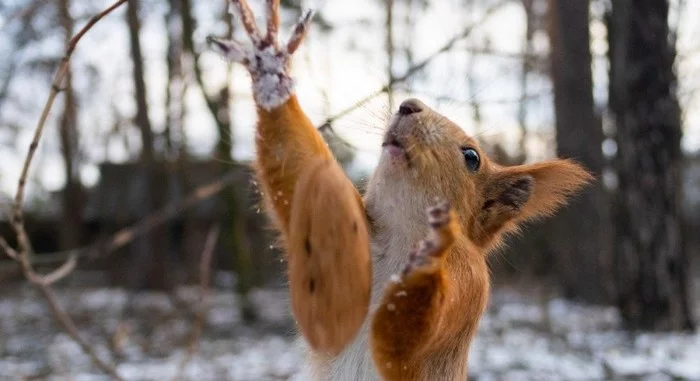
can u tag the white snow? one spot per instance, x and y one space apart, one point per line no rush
519 339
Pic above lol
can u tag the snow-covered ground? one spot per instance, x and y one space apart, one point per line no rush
521 338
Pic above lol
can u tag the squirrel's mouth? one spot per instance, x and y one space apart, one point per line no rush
395 149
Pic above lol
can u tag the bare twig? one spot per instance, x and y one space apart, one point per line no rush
24 252
67 324
204 281
449 45
126 235
18 213
8 249
66 268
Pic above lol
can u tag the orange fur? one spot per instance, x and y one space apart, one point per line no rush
286 144
329 266
322 220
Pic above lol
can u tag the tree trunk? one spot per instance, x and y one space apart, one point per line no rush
390 50
581 240
173 100
525 74
72 219
219 106
150 267
651 267
141 120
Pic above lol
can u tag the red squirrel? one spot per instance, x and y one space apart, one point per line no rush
390 286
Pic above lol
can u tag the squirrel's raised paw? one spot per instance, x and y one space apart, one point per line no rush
265 59
439 215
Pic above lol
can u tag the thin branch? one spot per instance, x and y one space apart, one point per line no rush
204 281
18 213
126 235
61 272
23 254
67 324
8 249
449 45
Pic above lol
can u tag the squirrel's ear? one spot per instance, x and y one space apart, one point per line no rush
554 182
505 196
515 194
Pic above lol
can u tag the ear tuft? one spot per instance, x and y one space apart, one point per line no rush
556 182
523 192
517 192
505 198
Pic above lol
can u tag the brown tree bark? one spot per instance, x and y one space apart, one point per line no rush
174 88
150 267
219 106
142 120
651 266
72 196
389 25
525 74
581 240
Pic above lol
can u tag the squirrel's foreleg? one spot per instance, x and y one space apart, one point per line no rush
286 140
410 314
287 144
314 205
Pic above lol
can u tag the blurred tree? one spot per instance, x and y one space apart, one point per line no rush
651 267
219 105
150 270
73 192
142 120
176 86
580 232
526 69
389 46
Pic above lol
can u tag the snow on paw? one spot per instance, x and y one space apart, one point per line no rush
266 61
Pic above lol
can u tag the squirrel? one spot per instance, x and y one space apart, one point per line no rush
390 285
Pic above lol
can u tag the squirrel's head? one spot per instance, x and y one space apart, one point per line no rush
426 156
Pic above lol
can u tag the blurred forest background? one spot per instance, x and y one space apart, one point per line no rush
146 150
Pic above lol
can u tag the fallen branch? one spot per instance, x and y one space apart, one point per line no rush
204 280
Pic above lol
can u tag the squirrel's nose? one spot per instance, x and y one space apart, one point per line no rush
411 106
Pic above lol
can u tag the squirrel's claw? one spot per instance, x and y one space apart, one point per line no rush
273 21
443 225
300 31
229 49
432 249
248 20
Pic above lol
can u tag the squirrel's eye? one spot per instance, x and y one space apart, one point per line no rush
471 158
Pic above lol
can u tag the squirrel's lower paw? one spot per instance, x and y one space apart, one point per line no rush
431 250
